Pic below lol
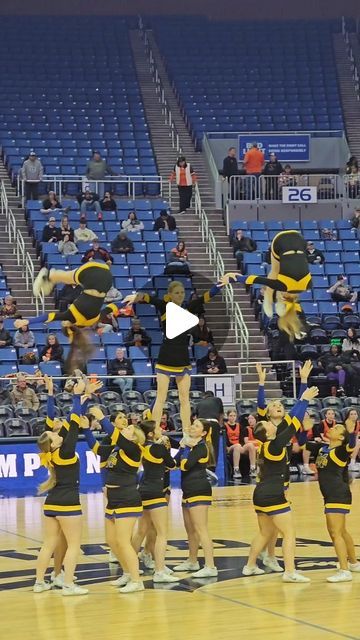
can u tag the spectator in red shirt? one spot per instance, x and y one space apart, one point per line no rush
98 253
253 164
235 447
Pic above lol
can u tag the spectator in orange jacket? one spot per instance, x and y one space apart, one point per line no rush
185 177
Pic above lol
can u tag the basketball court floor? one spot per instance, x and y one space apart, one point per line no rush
226 607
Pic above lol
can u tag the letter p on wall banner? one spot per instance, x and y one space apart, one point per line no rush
290 147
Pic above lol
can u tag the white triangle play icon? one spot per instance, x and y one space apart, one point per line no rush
178 320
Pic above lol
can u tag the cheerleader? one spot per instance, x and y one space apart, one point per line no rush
173 358
271 505
332 462
124 503
96 279
234 435
289 276
156 460
62 509
352 418
194 456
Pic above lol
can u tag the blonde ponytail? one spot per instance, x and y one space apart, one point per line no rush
44 444
290 321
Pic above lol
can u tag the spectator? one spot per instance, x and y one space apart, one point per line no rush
352 342
67 247
272 168
180 251
52 204
253 164
212 364
5 337
137 336
23 396
177 260
185 177
166 423
113 295
201 334
242 244
98 253
81 196
83 233
68 294
90 204
108 203
122 244
212 409
352 180
51 233
96 170
52 350
352 165
201 307
165 221
287 178
32 173
355 220
331 364
134 418
122 367
9 308
132 223
314 256
231 168
108 323
235 447
342 292
24 338
65 229
351 364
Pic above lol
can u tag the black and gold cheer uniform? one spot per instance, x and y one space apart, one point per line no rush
63 499
333 478
156 459
195 486
102 449
173 359
289 249
123 497
85 310
269 495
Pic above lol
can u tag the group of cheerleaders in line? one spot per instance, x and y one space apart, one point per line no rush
128 446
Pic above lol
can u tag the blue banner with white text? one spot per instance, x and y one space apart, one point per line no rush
288 148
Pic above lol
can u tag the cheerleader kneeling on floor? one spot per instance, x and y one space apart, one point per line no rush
271 505
332 465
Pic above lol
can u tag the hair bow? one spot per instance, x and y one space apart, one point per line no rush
46 459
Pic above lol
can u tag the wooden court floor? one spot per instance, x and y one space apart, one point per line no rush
227 607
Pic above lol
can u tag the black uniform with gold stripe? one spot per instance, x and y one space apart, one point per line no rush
195 486
85 310
332 465
269 495
123 497
289 249
63 499
173 357
156 460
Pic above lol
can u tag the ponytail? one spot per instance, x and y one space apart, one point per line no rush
208 430
44 445
290 322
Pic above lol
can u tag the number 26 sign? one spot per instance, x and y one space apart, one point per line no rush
301 195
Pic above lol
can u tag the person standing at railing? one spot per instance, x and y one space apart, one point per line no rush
96 171
32 173
272 170
253 164
185 177
231 168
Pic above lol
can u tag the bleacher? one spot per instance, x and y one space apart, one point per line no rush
69 87
252 76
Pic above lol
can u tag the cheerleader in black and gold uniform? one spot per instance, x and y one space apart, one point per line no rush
156 460
195 455
173 359
124 503
289 276
332 463
62 509
96 279
270 502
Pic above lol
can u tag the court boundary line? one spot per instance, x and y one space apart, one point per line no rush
319 627
19 535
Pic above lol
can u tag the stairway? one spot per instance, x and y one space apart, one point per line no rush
350 103
188 224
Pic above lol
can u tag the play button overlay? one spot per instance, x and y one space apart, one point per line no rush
178 320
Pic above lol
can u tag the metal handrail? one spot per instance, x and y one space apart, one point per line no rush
29 279
245 365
